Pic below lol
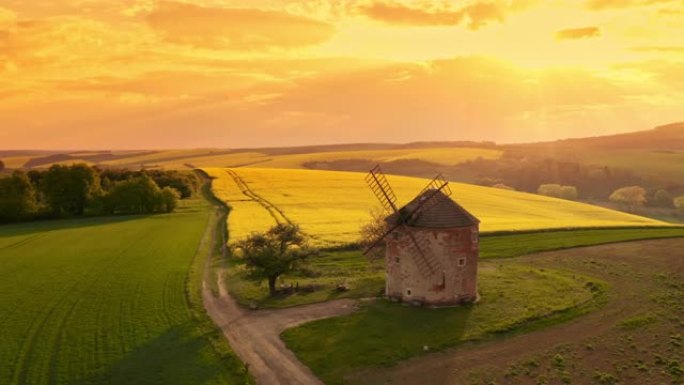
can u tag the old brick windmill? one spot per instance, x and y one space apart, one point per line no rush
432 245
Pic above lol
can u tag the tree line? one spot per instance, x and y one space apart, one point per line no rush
80 190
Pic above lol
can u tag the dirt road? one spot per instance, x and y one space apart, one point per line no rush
255 335
628 267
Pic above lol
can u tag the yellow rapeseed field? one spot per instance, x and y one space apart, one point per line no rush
332 205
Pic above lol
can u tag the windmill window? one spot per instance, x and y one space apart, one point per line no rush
396 259
395 235
408 291
475 236
461 262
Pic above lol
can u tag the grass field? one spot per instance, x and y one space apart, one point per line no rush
652 163
109 300
366 278
182 159
513 245
383 333
331 206
449 156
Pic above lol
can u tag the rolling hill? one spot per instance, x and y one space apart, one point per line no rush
331 205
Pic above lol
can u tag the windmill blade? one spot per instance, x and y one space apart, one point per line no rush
380 238
429 196
381 188
426 261
437 183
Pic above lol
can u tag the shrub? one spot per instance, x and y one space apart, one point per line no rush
558 191
679 204
550 190
503 187
662 198
630 196
17 197
568 192
139 196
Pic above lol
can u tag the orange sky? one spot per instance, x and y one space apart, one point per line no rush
132 74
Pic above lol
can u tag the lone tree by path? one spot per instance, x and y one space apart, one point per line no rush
631 196
273 253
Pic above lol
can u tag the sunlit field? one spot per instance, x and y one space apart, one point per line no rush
108 300
331 206
442 156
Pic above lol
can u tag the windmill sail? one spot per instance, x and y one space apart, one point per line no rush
437 189
377 181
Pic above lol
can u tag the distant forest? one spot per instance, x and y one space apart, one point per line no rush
81 190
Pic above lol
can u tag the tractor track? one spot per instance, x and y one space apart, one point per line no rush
277 214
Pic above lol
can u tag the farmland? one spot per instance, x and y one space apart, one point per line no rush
109 300
383 333
193 158
331 206
635 337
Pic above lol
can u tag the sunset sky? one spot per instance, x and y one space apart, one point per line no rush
134 74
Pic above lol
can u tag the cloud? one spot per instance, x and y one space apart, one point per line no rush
598 5
663 49
578 33
235 28
476 15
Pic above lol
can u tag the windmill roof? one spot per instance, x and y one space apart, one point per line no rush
439 212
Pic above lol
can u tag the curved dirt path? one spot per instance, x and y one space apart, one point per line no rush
255 334
626 296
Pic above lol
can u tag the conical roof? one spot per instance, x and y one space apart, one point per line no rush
439 211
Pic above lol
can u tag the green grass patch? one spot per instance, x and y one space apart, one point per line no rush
638 321
323 273
384 333
109 300
366 279
512 245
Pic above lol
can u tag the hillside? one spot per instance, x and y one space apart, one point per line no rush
666 137
331 206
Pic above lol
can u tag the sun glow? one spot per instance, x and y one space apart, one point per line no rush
160 74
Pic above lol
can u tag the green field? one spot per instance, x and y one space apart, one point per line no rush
383 333
109 301
515 244
366 278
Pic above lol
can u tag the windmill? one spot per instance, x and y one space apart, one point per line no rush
438 189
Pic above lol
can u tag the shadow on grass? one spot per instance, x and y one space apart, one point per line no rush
25 228
179 356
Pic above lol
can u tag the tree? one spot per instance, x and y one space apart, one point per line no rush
2 166
630 196
550 190
679 204
371 232
503 187
271 254
17 197
662 198
558 191
69 189
137 196
169 198
568 192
